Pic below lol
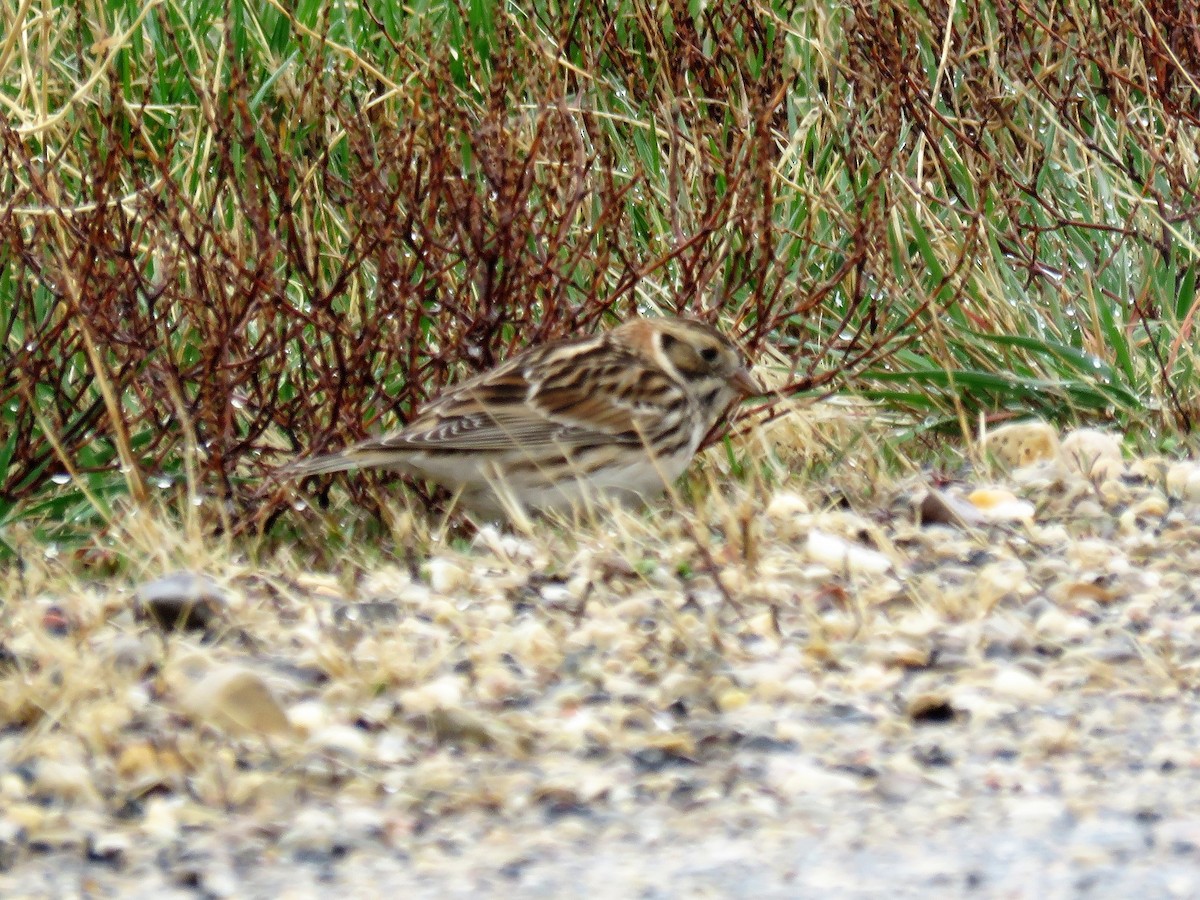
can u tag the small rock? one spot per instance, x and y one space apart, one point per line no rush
1149 470
1090 553
943 508
12 838
931 708
1093 453
1055 625
730 699
1115 652
1014 683
130 654
659 756
64 779
796 776
1003 639
441 693
1183 481
463 727
184 601
898 786
237 701
55 621
343 741
1075 592
365 613
110 848
1135 519
901 654
311 831
840 555
144 766
999 580
787 510
1182 836
447 576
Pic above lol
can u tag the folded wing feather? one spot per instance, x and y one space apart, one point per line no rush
562 407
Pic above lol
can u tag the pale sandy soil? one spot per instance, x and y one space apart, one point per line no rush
1004 707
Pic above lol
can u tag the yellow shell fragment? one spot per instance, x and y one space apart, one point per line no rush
999 505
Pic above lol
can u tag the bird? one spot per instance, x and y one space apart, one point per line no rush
617 414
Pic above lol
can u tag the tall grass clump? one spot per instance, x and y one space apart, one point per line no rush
232 232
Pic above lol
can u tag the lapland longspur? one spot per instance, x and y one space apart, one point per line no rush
617 414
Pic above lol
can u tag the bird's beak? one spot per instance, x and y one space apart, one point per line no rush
746 383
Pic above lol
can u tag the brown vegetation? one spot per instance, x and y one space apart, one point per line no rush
288 254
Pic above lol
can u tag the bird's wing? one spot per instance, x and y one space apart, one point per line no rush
575 394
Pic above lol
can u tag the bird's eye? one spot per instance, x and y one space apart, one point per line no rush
709 354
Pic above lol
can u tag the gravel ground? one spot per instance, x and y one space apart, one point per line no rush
964 689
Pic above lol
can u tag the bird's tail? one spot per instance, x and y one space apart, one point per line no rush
347 460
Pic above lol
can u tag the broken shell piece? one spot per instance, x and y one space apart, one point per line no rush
1014 683
1093 453
840 555
943 508
998 505
237 701
1183 480
1023 443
